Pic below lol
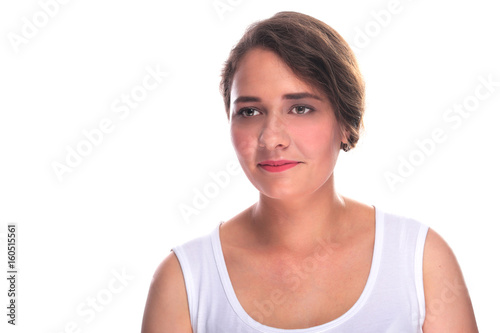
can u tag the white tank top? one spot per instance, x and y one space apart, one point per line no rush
392 300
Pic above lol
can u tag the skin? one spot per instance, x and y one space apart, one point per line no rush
266 245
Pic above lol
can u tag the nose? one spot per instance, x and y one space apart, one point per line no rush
274 134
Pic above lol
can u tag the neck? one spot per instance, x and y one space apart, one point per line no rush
298 223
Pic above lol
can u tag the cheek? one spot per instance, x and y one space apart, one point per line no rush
316 138
243 142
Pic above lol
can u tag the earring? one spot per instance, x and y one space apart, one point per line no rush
345 146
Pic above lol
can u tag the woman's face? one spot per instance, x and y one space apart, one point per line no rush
276 116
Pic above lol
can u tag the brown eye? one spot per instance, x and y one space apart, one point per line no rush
247 112
301 109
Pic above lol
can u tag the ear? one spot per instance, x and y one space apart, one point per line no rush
345 134
344 139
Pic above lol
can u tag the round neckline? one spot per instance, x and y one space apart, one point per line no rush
249 321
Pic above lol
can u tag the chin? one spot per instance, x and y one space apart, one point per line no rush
282 191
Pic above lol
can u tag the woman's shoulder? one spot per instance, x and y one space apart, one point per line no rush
448 305
167 305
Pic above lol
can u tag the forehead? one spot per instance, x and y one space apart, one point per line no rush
262 72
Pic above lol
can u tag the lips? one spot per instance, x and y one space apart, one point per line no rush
277 166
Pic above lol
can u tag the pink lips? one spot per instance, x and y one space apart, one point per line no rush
277 166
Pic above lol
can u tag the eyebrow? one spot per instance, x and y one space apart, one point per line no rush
301 95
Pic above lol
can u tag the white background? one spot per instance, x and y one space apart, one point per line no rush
119 209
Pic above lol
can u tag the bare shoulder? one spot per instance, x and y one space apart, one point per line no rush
447 302
167 306
357 204
360 210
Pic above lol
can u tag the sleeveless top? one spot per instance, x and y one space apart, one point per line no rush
392 300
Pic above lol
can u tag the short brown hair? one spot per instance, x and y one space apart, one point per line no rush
317 54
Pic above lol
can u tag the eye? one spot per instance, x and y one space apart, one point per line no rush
302 109
247 112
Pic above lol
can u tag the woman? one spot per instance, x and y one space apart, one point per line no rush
304 258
